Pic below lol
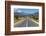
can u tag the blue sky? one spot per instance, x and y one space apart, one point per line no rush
24 10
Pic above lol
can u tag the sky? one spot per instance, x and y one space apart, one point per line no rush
24 10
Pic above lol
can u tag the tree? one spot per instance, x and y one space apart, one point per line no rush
17 17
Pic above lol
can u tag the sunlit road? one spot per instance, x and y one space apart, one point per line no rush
27 23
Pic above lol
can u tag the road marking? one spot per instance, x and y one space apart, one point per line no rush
27 24
34 21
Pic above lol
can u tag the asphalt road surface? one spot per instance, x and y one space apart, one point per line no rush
27 23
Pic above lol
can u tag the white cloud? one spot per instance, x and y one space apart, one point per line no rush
19 11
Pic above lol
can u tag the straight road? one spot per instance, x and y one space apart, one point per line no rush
27 23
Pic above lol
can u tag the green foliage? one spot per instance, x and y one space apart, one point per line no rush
35 17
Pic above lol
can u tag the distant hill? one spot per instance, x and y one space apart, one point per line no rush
26 14
21 14
36 14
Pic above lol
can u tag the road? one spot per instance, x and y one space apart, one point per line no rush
27 23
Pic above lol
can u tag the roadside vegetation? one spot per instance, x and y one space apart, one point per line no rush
36 18
18 18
